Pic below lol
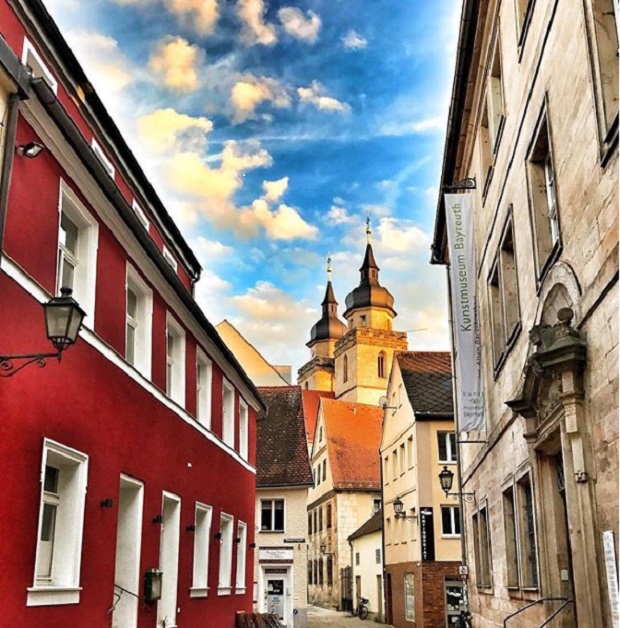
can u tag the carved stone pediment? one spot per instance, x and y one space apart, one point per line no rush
557 349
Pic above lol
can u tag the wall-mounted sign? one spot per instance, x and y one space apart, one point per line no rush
294 540
612 576
282 554
427 533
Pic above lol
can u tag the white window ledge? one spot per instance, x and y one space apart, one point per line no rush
224 590
198 591
51 595
240 590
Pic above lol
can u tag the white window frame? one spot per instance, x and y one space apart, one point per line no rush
224 585
204 383
30 54
228 414
169 257
85 276
409 611
63 587
273 500
449 453
244 415
169 555
242 536
175 387
140 214
454 517
103 158
202 537
143 344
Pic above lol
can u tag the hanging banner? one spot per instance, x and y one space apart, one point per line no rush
467 349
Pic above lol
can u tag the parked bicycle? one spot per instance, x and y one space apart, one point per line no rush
362 608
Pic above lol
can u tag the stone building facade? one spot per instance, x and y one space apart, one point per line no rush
534 118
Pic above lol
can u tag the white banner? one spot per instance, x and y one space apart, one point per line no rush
467 349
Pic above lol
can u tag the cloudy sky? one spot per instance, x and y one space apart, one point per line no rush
271 129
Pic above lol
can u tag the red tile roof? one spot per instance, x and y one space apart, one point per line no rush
353 433
311 400
282 449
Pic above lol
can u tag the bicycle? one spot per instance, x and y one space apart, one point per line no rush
362 608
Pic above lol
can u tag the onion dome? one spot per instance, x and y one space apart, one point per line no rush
369 293
329 327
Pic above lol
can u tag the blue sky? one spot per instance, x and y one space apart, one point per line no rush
271 129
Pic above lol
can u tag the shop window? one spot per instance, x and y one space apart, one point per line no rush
138 323
446 444
61 520
202 538
226 544
228 414
204 382
272 515
175 361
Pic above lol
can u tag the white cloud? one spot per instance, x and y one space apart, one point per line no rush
176 64
200 15
414 127
376 210
339 216
255 29
274 190
280 223
167 129
354 41
314 95
210 249
295 23
250 91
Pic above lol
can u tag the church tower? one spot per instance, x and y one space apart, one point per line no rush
318 373
363 355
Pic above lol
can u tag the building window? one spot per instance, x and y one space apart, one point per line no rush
33 61
330 571
101 156
324 465
321 434
140 214
316 571
523 14
310 580
320 509
495 99
543 199
482 548
226 543
169 257
409 598
309 523
204 382
410 452
316 521
378 556
345 368
381 364
395 464
77 252
320 572
243 429
388 531
202 537
242 535
328 517
138 323
510 537
228 414
363 320
446 443
401 458
272 515
376 506
175 361
357 558
527 525
61 518
386 463
450 521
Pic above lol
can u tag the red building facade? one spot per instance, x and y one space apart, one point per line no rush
137 451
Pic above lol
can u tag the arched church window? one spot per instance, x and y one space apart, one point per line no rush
381 364
345 368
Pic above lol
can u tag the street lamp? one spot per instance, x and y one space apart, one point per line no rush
63 320
446 479
399 511
323 549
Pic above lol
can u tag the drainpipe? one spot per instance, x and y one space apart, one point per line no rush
384 587
7 160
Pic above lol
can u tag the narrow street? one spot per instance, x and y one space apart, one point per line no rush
319 617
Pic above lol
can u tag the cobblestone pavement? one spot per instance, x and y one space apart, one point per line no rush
323 617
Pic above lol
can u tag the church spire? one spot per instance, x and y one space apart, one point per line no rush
329 301
369 270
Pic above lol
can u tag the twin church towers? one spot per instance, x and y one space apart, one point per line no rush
353 361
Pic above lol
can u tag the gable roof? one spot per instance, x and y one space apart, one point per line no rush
427 376
353 434
374 524
254 364
281 449
311 399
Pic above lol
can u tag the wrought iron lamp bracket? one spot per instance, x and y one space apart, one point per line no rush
466 184
11 364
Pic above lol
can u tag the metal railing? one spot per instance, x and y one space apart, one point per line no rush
540 601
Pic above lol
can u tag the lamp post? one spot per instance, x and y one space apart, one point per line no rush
63 320
446 479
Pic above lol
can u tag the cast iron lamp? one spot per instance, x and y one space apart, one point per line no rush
399 511
63 320
446 479
323 549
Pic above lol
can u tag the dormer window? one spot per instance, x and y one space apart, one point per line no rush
101 156
33 61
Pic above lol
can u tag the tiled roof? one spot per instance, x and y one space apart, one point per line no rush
311 400
427 376
374 524
282 449
353 432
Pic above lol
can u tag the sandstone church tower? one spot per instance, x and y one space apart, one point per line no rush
354 361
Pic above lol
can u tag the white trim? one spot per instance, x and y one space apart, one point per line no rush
169 257
204 389
241 569
202 545
103 158
141 215
53 596
244 422
28 49
169 556
143 343
16 273
228 414
177 384
226 543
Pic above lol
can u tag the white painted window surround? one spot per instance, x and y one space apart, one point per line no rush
32 59
141 214
63 479
243 429
140 320
202 541
204 381
224 586
169 257
169 559
107 164
228 414
242 541
78 239
175 361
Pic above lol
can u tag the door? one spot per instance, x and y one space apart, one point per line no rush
455 602
169 561
277 594
379 597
